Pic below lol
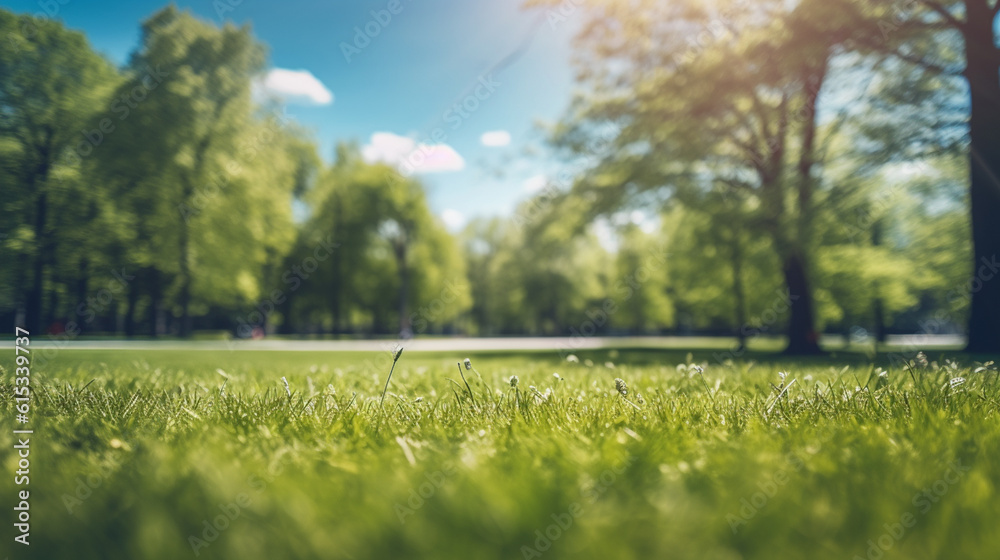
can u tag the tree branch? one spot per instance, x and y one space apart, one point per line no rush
919 61
944 13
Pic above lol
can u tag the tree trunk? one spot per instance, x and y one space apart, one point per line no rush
185 273
738 291
983 73
802 335
338 281
878 309
285 308
404 291
81 289
33 313
52 313
133 299
155 302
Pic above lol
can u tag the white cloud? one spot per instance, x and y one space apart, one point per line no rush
495 138
453 219
534 183
295 86
408 156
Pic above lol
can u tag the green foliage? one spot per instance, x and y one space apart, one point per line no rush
393 258
51 85
700 113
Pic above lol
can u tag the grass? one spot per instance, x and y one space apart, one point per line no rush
138 454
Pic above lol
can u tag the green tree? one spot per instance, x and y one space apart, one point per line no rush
51 83
641 277
700 103
388 242
954 38
183 113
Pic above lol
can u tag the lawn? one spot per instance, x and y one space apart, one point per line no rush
172 455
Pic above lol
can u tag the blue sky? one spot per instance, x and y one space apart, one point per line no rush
403 83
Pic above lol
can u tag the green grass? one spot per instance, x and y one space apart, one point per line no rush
133 452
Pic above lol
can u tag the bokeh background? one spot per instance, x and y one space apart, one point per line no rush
726 167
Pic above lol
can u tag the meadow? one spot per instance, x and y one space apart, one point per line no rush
625 453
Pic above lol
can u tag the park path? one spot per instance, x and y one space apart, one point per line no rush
567 344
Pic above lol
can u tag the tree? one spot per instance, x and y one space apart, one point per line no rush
640 283
387 241
51 83
738 108
928 34
176 153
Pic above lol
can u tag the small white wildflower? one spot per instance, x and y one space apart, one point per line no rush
572 359
532 387
557 376
288 391
548 392
883 379
609 365
513 381
808 377
698 369
922 360
621 386
782 375
418 399
468 364
956 382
